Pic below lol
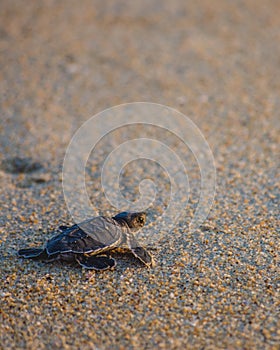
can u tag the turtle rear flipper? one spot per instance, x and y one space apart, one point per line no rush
101 262
32 253
63 228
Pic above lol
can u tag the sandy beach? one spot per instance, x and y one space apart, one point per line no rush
217 63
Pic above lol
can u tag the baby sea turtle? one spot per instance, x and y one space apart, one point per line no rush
88 241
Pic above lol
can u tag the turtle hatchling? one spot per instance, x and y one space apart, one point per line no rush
90 242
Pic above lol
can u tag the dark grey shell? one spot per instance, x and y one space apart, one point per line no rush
93 236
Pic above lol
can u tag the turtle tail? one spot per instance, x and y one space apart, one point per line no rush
31 253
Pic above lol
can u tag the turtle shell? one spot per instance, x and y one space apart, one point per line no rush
92 236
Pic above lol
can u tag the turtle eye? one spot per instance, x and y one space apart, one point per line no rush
141 220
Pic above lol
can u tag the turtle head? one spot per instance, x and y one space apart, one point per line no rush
134 220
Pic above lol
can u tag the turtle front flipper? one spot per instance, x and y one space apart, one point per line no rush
143 255
99 262
32 253
139 252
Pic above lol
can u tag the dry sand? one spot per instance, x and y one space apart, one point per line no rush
215 61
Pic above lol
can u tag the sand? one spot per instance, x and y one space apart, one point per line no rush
216 62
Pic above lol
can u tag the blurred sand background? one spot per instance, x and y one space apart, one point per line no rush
215 61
